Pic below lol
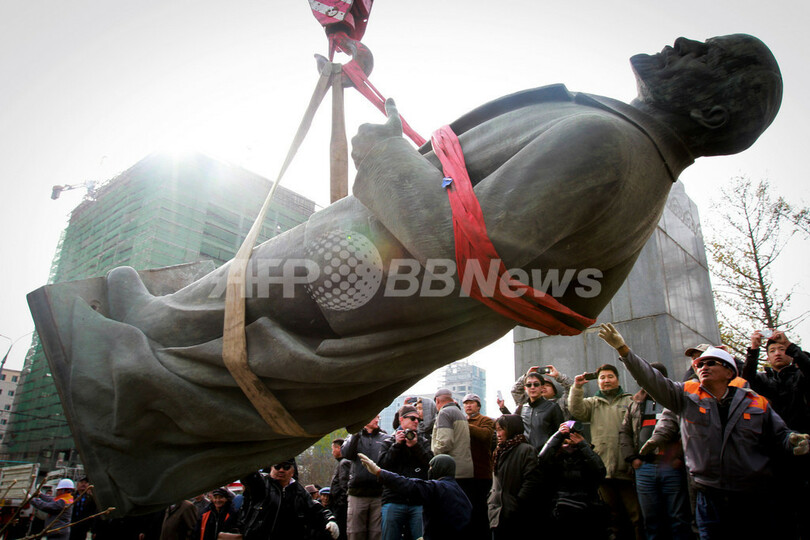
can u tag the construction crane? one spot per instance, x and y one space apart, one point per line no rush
90 185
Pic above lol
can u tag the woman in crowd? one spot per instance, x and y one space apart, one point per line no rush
513 462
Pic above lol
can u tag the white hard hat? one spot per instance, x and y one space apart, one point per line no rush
720 354
65 483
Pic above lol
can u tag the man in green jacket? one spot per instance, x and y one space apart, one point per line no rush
605 411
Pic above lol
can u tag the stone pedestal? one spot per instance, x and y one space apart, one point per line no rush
664 307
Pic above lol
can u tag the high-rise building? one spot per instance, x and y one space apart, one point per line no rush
163 211
463 378
9 379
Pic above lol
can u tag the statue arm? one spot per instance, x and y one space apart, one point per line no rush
404 191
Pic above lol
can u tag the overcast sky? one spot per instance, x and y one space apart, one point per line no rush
92 86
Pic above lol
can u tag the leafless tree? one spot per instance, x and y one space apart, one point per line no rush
750 230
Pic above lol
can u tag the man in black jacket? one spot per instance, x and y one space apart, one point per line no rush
786 384
785 381
407 454
280 508
541 417
364 520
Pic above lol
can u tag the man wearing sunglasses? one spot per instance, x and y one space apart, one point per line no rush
541 417
730 435
280 507
406 453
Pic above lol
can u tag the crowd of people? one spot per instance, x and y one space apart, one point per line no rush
721 454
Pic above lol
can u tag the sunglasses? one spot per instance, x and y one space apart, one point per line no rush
533 384
710 362
282 466
412 418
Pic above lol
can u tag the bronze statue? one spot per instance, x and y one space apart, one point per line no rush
567 182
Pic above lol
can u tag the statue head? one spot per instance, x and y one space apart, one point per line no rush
720 95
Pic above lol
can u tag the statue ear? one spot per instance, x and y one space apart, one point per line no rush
714 118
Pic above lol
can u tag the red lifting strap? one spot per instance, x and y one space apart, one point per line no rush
522 303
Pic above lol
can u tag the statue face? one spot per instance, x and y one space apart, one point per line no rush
728 90
681 76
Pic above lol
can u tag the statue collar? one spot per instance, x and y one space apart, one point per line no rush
671 148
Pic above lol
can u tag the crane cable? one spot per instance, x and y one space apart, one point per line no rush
234 339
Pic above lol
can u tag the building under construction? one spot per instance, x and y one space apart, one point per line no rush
463 378
163 211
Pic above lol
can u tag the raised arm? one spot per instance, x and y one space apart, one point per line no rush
579 407
664 391
349 448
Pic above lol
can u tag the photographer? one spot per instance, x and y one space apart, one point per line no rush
406 453
785 382
561 382
570 472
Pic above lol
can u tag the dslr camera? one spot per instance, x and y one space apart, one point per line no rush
410 434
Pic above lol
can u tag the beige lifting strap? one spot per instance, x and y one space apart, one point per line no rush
234 343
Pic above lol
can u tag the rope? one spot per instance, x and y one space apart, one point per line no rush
234 341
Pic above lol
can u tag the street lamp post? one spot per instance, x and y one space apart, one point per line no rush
12 342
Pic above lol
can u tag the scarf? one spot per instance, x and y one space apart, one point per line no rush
504 447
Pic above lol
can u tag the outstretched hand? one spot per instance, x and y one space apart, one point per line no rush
611 336
800 443
369 135
370 466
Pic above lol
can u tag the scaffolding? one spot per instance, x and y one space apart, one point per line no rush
161 212
463 378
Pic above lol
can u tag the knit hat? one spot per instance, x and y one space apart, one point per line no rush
407 409
719 354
